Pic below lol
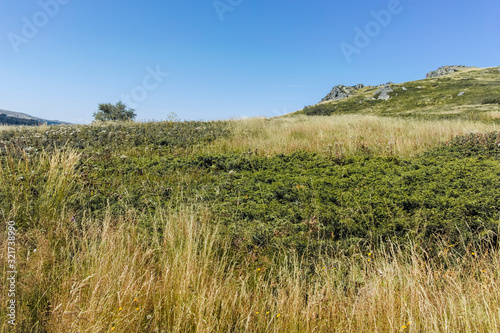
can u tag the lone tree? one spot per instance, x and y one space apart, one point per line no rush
117 112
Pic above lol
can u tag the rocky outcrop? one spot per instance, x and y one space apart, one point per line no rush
341 91
445 70
383 93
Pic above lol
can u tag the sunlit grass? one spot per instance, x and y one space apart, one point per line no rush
111 276
343 135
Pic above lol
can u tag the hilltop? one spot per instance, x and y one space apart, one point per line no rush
454 92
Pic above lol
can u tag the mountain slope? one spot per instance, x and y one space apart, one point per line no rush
466 93
18 118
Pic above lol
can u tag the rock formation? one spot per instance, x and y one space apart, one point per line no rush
383 93
444 70
341 91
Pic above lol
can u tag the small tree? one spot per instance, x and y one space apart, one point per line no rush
117 112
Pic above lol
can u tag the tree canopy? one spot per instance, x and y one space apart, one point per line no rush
117 112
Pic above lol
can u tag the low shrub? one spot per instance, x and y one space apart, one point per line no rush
491 100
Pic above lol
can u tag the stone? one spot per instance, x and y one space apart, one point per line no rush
384 89
383 93
445 70
341 92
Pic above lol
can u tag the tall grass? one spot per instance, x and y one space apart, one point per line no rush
339 135
112 276
37 184
343 135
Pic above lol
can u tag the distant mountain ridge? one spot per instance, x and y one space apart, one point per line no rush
18 118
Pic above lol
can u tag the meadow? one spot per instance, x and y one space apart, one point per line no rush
341 223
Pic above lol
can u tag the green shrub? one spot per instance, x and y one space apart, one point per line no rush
304 199
491 100
115 137
300 200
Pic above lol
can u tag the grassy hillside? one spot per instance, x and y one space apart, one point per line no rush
345 223
429 98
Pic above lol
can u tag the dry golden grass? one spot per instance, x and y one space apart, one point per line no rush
494 114
343 135
115 278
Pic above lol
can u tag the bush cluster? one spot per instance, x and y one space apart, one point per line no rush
114 136
491 100
300 200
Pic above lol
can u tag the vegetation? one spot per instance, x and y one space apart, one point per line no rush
346 223
117 112
113 137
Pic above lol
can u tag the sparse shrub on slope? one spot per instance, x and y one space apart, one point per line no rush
491 100
473 144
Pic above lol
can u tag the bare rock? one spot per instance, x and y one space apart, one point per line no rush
341 91
445 70
383 93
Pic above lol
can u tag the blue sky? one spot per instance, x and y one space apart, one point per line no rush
206 59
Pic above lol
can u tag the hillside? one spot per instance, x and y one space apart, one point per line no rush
18 118
467 93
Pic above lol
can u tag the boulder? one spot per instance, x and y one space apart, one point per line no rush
341 91
383 93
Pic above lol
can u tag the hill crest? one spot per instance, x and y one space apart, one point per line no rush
450 91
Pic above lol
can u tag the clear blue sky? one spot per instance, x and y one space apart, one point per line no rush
246 58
